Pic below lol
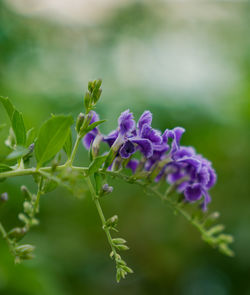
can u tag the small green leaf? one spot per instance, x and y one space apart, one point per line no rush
8 106
19 152
49 186
93 125
19 128
96 164
51 137
68 144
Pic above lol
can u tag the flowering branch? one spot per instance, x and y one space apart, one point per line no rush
138 154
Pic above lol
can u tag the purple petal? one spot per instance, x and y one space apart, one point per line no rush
132 164
146 118
178 131
126 122
175 135
95 117
191 161
152 134
203 176
207 200
127 149
193 192
145 146
111 137
88 139
212 178
184 151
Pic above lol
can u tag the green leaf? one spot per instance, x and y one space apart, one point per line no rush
2 126
19 128
19 152
4 168
52 137
8 106
49 186
30 136
93 125
68 144
96 164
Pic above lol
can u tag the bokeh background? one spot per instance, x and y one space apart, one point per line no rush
186 61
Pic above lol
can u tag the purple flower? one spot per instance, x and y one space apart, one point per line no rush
127 139
175 135
197 170
90 136
133 164
126 122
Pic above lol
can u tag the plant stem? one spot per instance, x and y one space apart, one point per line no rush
38 195
100 212
75 148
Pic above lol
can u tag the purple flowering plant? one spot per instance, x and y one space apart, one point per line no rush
135 152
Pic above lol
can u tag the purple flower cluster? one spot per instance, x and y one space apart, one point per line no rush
160 152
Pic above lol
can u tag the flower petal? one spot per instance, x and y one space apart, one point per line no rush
126 122
88 139
132 164
146 118
127 149
145 146
111 137
193 192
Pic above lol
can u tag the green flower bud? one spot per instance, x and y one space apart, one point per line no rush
112 221
122 247
79 122
17 233
26 192
87 101
24 249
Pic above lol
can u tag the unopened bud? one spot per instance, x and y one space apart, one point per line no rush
96 145
27 207
112 221
24 249
106 190
87 100
79 121
26 192
17 232
31 147
4 197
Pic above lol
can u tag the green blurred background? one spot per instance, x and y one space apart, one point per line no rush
188 62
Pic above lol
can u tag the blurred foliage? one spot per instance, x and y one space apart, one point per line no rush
188 64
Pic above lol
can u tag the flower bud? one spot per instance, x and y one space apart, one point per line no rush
24 249
106 190
17 233
27 207
87 101
96 145
112 221
79 122
4 197
26 192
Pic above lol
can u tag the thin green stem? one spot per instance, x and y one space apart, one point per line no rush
38 195
100 212
5 237
75 148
